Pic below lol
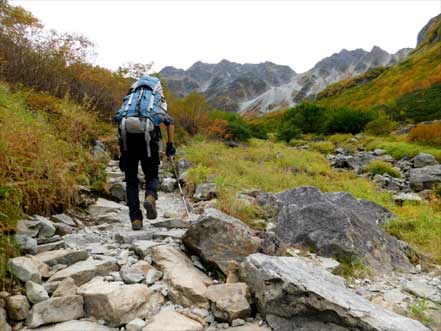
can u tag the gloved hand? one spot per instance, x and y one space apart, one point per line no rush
170 150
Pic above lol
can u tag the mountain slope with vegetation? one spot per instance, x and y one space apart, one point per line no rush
407 90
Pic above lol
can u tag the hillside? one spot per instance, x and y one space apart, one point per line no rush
267 87
399 88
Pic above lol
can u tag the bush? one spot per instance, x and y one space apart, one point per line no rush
324 147
380 126
308 117
346 120
288 131
235 127
377 167
427 134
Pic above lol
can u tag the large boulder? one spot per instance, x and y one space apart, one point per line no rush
229 301
172 321
424 160
294 295
338 225
187 285
56 310
83 271
221 240
117 303
425 177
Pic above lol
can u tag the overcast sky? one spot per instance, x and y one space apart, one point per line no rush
179 33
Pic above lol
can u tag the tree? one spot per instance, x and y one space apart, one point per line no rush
134 70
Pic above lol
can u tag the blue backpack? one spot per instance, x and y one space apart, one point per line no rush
143 108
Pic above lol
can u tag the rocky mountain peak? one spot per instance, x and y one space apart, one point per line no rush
433 23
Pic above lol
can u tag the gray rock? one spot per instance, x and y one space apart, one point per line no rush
172 321
379 152
66 288
424 160
99 148
63 229
143 248
27 244
338 225
63 218
221 240
105 211
135 273
294 295
187 285
35 292
423 290
387 182
4 326
424 178
129 236
171 223
24 269
168 185
62 256
229 301
118 191
152 276
50 246
182 166
17 307
83 271
118 303
55 310
401 198
170 233
205 192
46 227
253 326
75 326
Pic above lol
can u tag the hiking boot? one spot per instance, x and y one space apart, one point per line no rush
150 206
136 225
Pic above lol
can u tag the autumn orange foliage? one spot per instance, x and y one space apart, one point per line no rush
426 133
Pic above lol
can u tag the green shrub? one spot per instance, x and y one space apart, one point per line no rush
288 131
324 147
308 117
382 125
378 167
239 129
346 120
297 142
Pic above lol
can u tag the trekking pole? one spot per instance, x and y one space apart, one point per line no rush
172 159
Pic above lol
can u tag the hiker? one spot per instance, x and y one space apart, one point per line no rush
143 111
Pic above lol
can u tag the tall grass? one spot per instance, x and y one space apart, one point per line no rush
275 167
44 157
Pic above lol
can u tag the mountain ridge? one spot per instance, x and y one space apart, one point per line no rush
267 86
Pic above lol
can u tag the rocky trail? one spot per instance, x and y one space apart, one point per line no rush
210 271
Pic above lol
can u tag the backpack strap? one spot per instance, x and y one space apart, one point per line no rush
124 133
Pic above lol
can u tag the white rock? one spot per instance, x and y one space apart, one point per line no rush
172 321
136 325
4 326
66 288
187 285
56 310
62 256
75 326
117 303
82 272
24 269
35 292
152 276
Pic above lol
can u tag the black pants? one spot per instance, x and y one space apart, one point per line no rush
136 152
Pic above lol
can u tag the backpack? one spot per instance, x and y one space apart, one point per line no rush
143 109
